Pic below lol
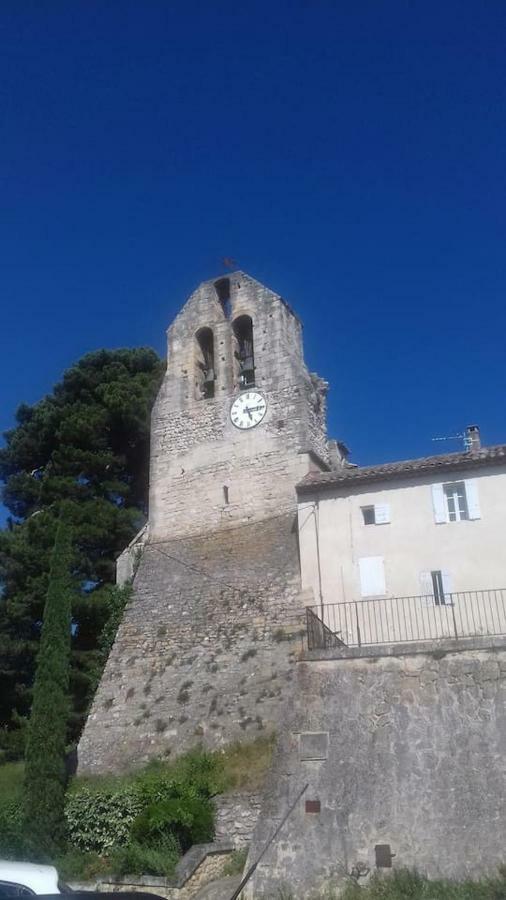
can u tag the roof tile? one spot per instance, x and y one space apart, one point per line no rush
486 456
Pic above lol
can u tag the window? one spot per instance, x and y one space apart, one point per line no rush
372 576
368 514
436 587
456 501
14 890
379 514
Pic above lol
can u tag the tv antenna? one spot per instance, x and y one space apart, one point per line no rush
463 436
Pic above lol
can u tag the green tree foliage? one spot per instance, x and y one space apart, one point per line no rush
44 795
86 444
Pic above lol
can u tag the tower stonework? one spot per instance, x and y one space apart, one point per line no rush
205 651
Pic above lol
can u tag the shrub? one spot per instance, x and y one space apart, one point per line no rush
98 821
12 833
13 741
80 866
187 818
142 859
164 801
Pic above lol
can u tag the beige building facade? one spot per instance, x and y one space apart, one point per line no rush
407 550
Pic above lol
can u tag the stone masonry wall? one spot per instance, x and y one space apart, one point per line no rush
236 818
404 750
195 448
206 649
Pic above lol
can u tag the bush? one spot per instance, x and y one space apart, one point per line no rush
164 803
12 839
75 865
99 821
189 818
147 859
12 742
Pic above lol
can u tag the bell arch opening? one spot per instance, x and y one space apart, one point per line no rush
205 374
244 351
222 287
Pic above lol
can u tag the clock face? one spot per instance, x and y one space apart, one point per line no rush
248 409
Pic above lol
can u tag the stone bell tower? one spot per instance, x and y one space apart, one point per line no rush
205 648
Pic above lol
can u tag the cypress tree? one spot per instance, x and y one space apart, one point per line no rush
47 727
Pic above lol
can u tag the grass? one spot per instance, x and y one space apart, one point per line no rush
407 885
11 781
236 863
246 765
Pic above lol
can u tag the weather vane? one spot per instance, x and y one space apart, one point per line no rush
228 262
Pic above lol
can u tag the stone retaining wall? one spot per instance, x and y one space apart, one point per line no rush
202 864
236 817
403 751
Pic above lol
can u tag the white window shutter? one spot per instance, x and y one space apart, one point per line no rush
439 503
447 585
372 576
473 502
382 514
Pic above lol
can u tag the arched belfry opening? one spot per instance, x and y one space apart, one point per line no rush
244 351
204 364
222 287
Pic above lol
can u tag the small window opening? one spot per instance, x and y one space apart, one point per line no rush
225 494
369 515
438 588
244 354
223 290
205 364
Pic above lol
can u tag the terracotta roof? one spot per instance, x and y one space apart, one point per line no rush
405 468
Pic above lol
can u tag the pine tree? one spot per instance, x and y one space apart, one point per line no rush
85 444
47 726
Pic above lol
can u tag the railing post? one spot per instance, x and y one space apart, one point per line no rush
454 619
359 639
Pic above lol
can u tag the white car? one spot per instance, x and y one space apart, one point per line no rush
23 879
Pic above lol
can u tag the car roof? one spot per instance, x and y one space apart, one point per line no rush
39 878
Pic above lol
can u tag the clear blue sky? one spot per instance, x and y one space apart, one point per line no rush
349 155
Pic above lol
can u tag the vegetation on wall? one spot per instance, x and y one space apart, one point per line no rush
406 885
85 444
47 726
139 823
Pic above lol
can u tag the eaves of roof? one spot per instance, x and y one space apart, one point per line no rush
407 468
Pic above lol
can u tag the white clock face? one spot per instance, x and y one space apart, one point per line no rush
248 409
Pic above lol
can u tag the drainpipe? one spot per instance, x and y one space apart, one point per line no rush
318 562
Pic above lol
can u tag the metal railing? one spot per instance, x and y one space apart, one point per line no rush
393 620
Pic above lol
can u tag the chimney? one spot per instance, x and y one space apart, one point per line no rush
472 439
338 454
